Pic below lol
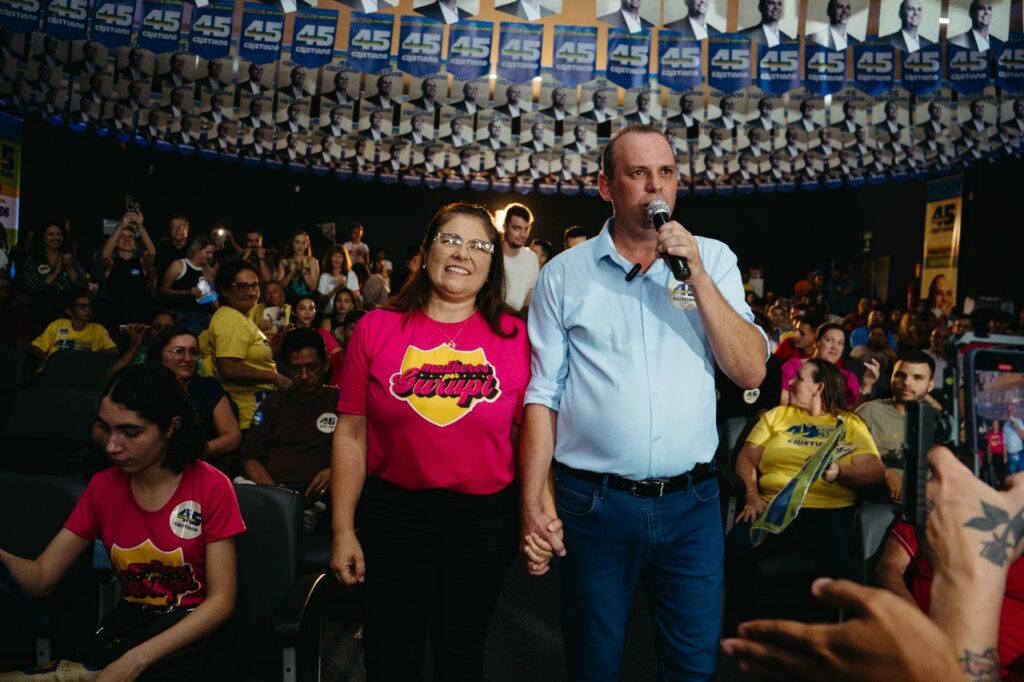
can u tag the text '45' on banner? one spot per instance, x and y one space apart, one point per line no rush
419 46
369 41
262 31
469 49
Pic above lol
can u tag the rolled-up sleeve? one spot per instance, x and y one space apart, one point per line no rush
549 341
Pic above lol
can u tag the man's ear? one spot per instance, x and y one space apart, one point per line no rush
603 188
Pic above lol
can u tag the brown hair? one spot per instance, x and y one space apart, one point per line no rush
833 394
325 265
490 300
288 251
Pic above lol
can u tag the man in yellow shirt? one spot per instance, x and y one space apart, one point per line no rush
74 332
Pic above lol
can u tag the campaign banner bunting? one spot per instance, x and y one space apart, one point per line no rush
111 23
369 41
262 31
967 71
729 57
629 58
824 69
680 65
778 68
1010 64
922 70
10 175
874 68
210 36
419 46
469 49
67 19
519 49
313 36
20 17
161 26
575 54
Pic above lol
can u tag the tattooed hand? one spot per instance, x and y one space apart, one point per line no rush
969 521
973 535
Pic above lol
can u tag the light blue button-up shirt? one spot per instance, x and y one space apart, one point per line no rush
627 365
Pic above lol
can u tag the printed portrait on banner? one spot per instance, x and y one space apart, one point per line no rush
685 112
908 25
447 11
370 6
696 19
837 24
529 10
769 22
978 25
635 16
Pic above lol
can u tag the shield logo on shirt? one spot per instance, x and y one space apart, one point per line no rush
442 384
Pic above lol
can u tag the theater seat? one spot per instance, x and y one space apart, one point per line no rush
14 367
279 612
77 369
36 508
47 430
731 435
870 528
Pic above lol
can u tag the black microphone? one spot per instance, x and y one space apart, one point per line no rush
657 211
633 271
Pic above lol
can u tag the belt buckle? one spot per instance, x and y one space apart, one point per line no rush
661 487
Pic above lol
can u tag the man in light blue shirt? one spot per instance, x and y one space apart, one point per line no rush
622 397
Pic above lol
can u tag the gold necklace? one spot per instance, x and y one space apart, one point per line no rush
451 339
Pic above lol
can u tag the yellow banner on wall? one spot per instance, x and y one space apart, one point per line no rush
10 175
942 217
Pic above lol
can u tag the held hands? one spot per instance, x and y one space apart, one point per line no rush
347 562
753 508
673 238
542 539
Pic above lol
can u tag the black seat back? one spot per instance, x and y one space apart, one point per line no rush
14 366
870 528
47 430
77 369
269 563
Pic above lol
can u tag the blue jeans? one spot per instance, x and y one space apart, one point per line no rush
612 539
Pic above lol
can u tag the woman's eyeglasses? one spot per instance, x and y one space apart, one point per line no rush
180 352
453 242
243 286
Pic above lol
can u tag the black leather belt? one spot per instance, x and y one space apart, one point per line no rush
651 487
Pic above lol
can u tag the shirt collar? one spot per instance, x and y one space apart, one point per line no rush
604 247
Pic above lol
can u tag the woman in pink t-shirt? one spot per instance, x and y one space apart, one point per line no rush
167 521
431 398
829 343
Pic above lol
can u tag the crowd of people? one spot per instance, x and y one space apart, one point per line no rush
478 398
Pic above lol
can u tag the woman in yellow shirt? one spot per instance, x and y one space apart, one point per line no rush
777 447
239 353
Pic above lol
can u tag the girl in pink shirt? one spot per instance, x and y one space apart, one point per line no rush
168 522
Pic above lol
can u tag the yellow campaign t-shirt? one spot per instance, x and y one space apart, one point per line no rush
790 436
233 335
61 335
